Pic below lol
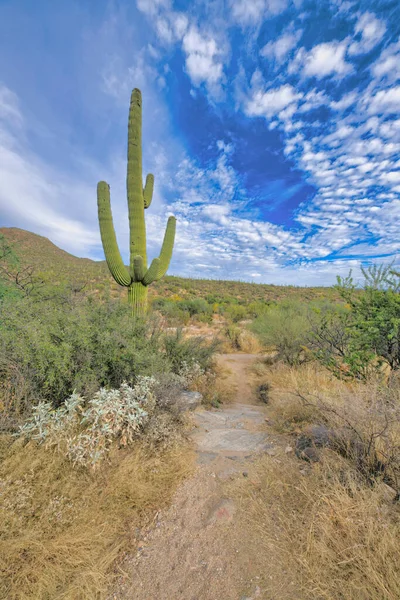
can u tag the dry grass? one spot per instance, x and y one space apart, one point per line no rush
214 386
330 531
366 413
63 528
237 338
286 382
323 538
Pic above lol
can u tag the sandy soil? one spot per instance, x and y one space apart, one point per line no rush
197 549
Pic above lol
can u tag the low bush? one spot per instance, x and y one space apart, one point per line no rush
182 310
180 350
84 431
263 392
241 339
286 328
49 349
361 337
235 313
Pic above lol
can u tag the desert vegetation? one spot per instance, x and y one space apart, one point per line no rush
330 380
92 440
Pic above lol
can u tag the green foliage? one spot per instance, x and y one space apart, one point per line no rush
180 350
138 276
285 327
8 263
358 339
180 311
83 345
235 313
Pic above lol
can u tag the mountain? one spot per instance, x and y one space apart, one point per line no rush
45 257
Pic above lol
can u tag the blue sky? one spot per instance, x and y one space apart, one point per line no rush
272 128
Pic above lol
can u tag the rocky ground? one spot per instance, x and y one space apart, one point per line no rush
198 549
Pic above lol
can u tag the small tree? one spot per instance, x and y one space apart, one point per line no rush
365 334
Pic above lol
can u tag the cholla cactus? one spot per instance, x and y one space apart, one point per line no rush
138 277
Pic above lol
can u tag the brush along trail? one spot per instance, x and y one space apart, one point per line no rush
198 548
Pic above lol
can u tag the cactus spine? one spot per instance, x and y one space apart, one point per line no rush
138 277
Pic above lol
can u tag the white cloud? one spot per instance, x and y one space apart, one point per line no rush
32 194
203 58
279 49
392 176
9 105
371 30
385 101
271 102
322 61
252 12
388 64
171 27
152 7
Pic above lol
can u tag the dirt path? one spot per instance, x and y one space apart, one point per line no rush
196 550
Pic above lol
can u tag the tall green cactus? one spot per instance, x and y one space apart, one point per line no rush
138 277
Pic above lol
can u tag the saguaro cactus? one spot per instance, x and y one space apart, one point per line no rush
138 277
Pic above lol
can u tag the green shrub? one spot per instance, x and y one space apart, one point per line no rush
236 313
180 350
356 339
49 349
286 327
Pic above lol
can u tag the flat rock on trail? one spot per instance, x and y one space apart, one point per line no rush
195 550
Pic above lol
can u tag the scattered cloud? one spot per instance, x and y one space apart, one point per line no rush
252 12
203 58
271 102
322 61
279 49
370 30
385 101
261 113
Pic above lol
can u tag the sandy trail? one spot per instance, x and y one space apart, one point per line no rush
196 549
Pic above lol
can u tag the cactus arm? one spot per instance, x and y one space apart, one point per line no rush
138 276
159 266
113 257
167 247
138 268
152 272
134 181
148 190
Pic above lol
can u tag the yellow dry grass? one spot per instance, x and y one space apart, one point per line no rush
320 536
326 532
63 528
214 386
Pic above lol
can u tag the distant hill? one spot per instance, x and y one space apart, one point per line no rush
39 252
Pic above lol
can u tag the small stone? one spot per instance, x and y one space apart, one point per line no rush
245 474
271 452
288 449
188 401
310 454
